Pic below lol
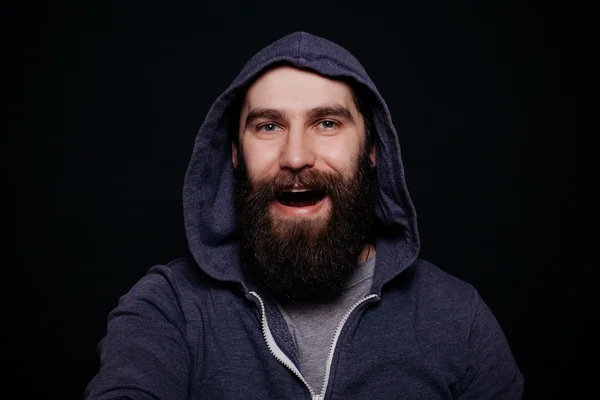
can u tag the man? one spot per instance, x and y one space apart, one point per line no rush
305 281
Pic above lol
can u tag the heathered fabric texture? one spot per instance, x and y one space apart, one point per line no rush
312 326
192 329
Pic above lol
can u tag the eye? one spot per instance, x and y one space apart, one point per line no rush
269 128
327 124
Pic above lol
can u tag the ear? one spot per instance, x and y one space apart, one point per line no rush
234 155
372 157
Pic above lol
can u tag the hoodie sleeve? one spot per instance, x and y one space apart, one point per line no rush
492 372
144 354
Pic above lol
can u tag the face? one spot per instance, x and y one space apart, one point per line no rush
295 120
304 200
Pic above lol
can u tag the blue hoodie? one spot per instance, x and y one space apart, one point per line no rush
199 328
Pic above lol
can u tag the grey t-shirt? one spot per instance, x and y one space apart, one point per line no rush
312 326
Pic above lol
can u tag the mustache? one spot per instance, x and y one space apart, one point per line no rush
311 179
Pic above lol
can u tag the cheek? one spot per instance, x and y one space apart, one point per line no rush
261 159
340 156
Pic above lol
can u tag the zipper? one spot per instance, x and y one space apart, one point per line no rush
336 336
277 352
282 358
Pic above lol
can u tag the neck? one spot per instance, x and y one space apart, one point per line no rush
367 252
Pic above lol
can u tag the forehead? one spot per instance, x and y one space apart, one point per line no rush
289 87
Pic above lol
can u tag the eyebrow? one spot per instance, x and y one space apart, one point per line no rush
264 113
335 110
330 111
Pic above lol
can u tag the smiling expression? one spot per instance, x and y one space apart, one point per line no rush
294 120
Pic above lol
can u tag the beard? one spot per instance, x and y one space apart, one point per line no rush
305 258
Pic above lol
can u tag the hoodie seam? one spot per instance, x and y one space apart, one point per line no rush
475 308
299 44
193 358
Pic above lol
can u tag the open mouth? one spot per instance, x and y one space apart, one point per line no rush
300 197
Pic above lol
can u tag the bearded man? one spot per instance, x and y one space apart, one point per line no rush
304 280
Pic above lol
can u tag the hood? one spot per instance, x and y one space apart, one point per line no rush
209 185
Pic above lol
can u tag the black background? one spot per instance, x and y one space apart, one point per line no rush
495 106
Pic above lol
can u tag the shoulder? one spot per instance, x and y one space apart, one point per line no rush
180 274
441 307
169 286
437 295
175 292
433 281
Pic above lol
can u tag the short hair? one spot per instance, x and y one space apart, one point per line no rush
363 99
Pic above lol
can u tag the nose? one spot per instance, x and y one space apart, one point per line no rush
296 153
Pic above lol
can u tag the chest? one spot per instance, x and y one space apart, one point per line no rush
376 353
